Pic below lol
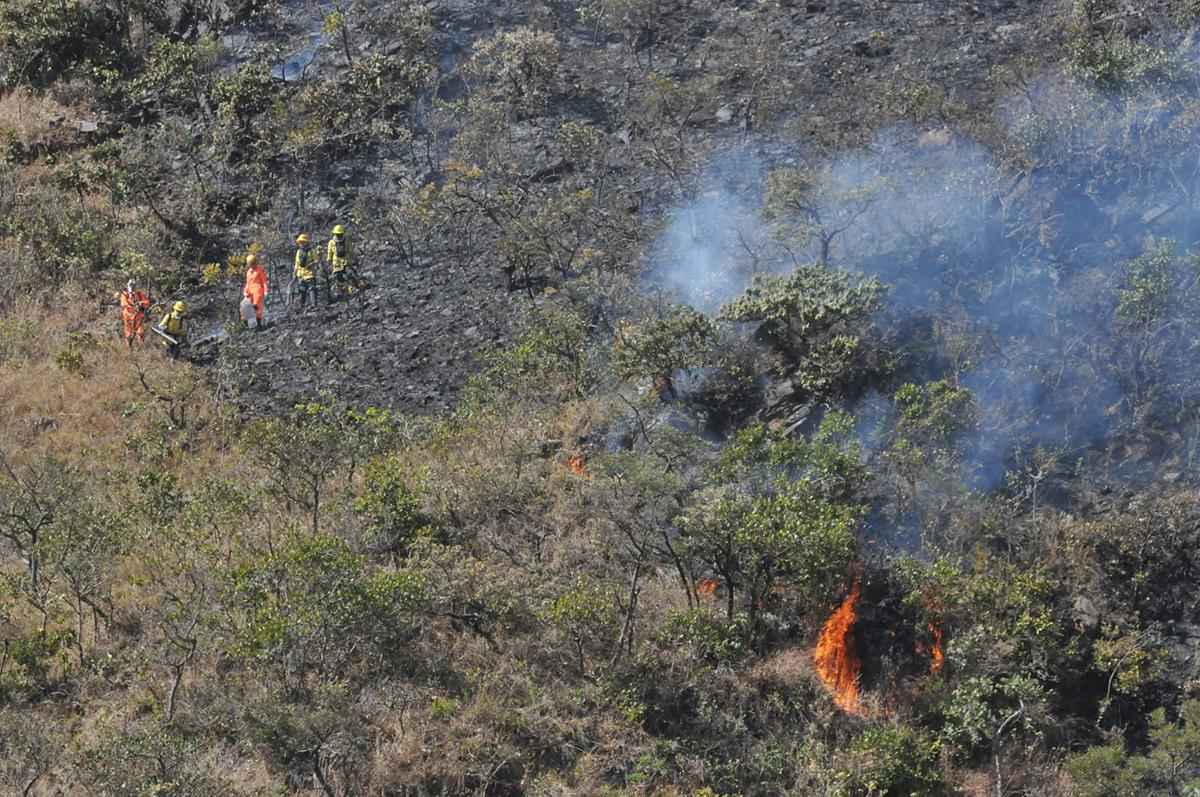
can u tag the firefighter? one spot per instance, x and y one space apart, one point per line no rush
306 268
134 307
256 286
174 324
337 260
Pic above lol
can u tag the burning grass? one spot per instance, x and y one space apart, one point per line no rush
836 657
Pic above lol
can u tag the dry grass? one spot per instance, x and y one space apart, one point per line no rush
88 415
38 121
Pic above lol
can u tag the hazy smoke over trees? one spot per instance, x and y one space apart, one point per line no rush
1051 277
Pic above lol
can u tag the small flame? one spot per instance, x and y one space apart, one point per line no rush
836 658
707 587
575 465
938 656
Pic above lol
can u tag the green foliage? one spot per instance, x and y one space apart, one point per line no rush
147 760
1171 765
814 317
981 710
787 537
777 525
1134 557
1129 660
177 76
810 300
318 445
443 708
37 661
518 66
587 615
553 359
391 507
713 639
1149 293
40 42
678 339
895 761
1109 58
310 605
809 207
937 413
829 463
17 338
243 99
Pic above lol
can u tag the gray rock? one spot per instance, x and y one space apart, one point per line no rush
1086 614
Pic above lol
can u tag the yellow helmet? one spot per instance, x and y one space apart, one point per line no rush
302 238
339 230
251 259
179 307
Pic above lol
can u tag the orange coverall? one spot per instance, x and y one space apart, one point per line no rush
133 315
256 288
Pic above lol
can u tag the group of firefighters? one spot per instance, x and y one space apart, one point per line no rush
307 266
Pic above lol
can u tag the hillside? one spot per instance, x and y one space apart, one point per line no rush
742 398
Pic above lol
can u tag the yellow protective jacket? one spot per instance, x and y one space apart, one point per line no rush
307 264
337 254
174 325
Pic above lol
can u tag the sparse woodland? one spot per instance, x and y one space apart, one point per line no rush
750 398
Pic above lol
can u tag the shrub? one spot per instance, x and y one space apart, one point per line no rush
309 605
518 66
813 316
895 761
40 42
391 508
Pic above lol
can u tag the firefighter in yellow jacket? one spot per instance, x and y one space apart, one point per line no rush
307 265
337 260
174 324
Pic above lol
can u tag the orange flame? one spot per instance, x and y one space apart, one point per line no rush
938 656
836 658
707 587
575 465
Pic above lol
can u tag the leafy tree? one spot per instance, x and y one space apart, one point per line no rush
809 207
553 358
587 615
143 759
518 67
937 413
782 515
40 42
1171 764
813 317
33 500
679 338
177 77
895 760
391 507
314 608
305 454
84 548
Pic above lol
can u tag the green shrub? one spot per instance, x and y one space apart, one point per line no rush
40 42
711 638
814 317
895 761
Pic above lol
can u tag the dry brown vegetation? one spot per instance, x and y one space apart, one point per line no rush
876 319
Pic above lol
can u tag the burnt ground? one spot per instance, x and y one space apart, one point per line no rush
410 342
406 343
